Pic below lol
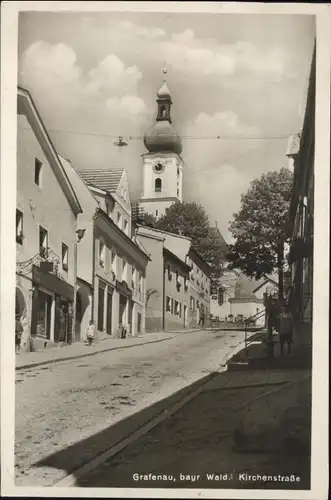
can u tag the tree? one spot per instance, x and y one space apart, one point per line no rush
148 219
191 220
259 228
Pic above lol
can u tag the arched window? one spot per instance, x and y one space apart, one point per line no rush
163 112
158 185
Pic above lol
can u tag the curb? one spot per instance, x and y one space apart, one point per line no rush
238 348
70 358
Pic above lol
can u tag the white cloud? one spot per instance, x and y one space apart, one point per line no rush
207 57
212 170
112 76
133 30
219 124
58 83
45 64
130 106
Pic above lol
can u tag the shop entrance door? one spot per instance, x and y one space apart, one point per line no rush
109 311
101 298
44 311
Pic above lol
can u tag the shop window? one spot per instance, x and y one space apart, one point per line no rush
43 241
37 172
168 304
19 227
102 253
158 185
64 257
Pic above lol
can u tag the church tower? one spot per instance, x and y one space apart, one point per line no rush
162 165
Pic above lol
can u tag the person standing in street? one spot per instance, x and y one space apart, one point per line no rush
18 333
90 333
285 329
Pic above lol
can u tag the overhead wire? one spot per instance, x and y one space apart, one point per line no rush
195 137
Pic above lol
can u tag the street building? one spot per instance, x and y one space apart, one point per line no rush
46 233
85 249
301 217
163 166
177 281
119 261
237 297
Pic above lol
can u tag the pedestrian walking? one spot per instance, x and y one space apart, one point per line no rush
285 329
90 333
18 333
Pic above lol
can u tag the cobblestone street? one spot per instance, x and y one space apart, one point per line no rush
62 404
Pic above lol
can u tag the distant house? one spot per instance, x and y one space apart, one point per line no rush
177 280
237 296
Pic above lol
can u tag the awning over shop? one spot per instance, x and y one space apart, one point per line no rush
52 283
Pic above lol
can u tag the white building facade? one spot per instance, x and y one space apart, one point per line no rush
119 261
46 238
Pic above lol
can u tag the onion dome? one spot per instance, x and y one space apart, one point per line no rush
164 92
162 138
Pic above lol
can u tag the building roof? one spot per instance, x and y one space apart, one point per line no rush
244 286
175 257
103 178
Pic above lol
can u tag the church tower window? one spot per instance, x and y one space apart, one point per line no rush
158 185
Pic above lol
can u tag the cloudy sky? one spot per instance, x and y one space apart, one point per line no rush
242 78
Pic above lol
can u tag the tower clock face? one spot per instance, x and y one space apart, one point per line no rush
158 167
